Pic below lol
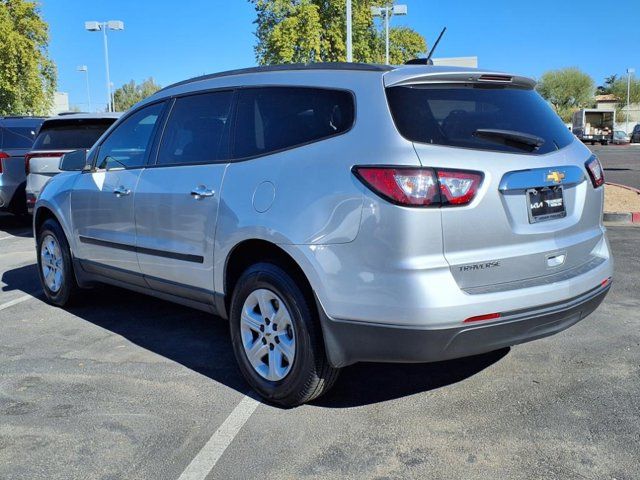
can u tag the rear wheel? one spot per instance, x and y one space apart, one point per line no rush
277 338
55 267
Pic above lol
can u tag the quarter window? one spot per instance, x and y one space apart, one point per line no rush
276 118
128 144
197 130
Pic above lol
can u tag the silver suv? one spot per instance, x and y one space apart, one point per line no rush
338 213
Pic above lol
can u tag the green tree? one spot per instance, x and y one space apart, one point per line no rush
304 31
130 93
27 74
567 90
619 89
608 83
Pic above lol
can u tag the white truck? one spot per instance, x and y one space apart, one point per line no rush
594 126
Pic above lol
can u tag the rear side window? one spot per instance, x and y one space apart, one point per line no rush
276 118
452 116
71 135
17 137
197 130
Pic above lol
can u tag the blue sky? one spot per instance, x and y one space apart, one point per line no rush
174 40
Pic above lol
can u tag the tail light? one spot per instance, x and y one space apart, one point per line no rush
595 171
422 186
29 156
3 155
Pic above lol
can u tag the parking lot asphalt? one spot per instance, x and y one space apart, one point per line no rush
126 386
621 163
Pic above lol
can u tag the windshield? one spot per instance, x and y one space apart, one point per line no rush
71 135
457 116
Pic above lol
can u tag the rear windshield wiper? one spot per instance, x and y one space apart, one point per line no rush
524 141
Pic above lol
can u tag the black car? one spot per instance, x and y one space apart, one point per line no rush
635 134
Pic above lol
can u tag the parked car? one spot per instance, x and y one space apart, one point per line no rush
57 136
635 134
16 138
337 213
620 137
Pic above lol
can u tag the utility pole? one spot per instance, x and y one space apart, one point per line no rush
349 33
630 71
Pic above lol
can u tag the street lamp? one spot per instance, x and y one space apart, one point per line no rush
85 69
387 12
630 71
104 26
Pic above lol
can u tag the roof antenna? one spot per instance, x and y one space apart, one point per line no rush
427 61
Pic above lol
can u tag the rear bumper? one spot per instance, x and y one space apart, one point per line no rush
351 342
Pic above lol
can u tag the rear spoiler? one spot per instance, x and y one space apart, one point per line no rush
414 75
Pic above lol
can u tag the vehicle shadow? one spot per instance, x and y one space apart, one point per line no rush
201 343
18 226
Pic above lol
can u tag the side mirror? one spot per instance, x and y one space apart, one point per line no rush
73 161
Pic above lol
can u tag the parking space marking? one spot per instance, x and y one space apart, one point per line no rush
16 301
206 459
17 235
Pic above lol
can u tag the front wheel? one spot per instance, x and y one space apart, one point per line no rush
55 267
277 338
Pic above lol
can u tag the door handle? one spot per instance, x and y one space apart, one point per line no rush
121 191
201 192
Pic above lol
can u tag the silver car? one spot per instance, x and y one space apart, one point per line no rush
338 213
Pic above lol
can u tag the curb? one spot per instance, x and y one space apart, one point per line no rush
622 217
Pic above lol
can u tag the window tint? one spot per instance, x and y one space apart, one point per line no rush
274 118
71 135
127 145
446 115
17 137
197 130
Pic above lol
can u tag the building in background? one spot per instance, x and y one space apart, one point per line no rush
60 103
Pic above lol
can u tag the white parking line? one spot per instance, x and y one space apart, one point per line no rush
17 235
207 458
16 301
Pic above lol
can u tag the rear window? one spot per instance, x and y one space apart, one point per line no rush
452 116
17 137
275 118
69 135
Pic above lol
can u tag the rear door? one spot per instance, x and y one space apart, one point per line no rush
177 199
102 207
536 214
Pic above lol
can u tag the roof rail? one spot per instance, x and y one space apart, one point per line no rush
286 67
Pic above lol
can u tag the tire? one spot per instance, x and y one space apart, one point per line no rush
309 375
63 290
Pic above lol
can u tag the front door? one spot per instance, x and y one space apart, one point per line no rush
102 199
177 199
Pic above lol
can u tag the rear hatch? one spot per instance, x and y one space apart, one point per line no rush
59 136
536 217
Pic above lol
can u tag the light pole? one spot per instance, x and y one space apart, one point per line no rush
104 26
630 71
387 12
349 44
85 69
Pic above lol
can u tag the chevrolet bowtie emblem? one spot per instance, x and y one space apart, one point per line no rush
555 177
